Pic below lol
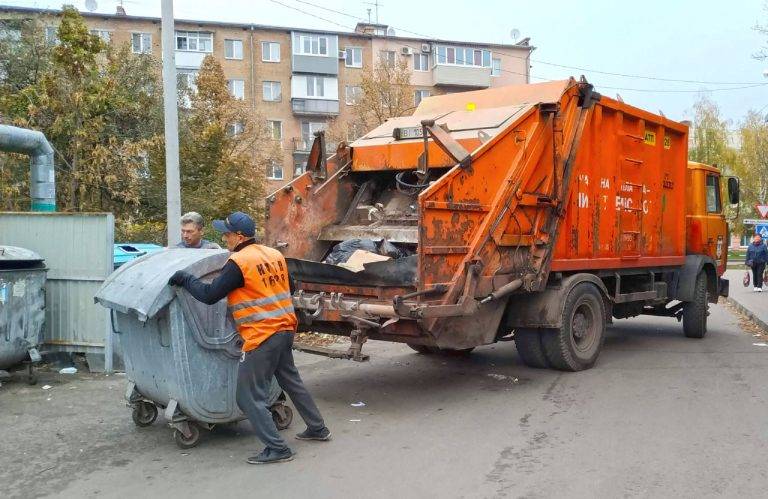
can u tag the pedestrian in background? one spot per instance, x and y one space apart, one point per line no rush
757 257
192 232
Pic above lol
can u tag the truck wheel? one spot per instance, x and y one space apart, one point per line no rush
530 349
695 312
576 345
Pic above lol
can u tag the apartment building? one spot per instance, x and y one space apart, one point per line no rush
303 80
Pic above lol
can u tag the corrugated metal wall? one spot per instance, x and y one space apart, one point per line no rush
77 248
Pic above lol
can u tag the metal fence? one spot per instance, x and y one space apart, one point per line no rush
77 248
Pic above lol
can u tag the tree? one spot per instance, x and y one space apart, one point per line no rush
753 167
224 149
98 106
709 132
386 93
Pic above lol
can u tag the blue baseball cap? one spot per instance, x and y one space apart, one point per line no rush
236 222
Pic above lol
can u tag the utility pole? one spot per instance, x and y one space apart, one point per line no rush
171 118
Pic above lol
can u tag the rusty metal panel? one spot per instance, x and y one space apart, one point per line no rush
77 248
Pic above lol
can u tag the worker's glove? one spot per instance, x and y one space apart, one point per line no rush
179 278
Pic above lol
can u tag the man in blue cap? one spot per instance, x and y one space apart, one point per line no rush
256 283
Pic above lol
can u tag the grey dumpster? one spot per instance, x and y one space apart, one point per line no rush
22 307
180 355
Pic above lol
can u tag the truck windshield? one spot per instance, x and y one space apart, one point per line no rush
713 194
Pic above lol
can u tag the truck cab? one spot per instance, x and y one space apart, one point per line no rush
706 226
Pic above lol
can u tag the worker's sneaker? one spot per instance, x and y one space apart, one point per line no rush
758 290
322 435
271 456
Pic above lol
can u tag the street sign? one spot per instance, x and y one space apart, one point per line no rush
762 209
753 221
762 230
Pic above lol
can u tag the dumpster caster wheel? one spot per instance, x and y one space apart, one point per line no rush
144 414
282 415
184 442
31 375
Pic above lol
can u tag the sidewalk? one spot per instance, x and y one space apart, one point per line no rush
753 305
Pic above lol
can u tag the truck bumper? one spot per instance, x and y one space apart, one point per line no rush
722 287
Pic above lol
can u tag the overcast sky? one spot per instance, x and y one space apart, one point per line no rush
697 40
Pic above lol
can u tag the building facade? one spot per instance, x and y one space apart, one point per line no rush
303 80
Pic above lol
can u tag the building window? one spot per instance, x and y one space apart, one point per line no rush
9 31
275 129
312 45
299 168
353 93
141 43
194 41
275 171
270 51
187 79
387 57
315 86
462 56
233 49
236 88
235 129
418 95
105 35
495 67
420 62
272 91
353 57
308 129
52 35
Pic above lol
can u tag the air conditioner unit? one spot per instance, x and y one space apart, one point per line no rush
407 51
342 54
425 48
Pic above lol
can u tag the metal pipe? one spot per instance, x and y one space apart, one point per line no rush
42 178
503 291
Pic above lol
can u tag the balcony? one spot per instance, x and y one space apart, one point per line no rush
302 146
315 107
461 76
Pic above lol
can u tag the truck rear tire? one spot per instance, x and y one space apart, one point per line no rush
577 344
695 312
530 349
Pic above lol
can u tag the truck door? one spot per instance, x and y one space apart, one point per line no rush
714 224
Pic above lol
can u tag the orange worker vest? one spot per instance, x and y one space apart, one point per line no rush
263 306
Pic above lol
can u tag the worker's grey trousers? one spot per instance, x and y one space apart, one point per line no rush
274 357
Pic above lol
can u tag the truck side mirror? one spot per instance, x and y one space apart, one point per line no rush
733 190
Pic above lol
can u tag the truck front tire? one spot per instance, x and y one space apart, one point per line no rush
577 344
695 312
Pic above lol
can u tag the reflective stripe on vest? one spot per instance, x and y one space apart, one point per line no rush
260 302
260 316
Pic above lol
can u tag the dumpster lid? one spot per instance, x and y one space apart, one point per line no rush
16 254
141 285
13 257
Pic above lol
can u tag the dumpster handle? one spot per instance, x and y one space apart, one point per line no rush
112 322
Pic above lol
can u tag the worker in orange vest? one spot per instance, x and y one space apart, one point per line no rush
256 284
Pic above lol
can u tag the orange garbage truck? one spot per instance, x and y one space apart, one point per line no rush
534 213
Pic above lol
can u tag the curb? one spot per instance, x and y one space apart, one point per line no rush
741 308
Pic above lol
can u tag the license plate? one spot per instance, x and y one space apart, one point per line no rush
404 133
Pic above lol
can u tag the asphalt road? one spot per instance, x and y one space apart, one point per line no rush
659 416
